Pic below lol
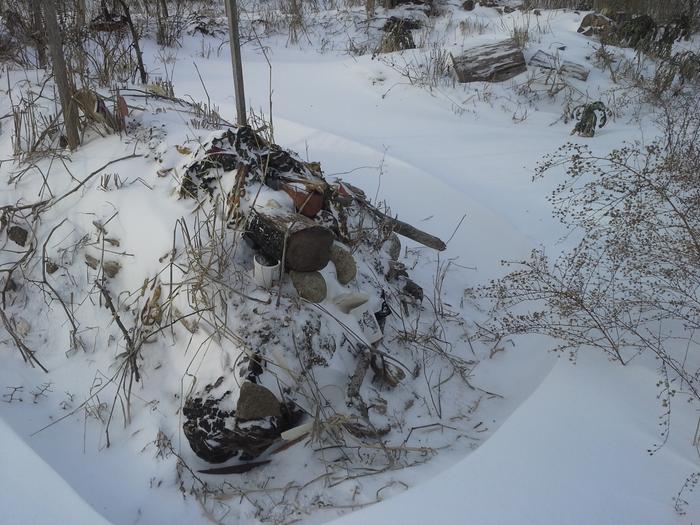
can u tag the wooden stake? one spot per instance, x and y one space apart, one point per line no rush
232 13
60 72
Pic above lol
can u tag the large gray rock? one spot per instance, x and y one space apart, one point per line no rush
309 285
257 402
345 266
594 24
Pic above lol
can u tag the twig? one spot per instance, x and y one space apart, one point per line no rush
130 347
27 353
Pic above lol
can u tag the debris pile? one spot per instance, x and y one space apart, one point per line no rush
397 35
586 116
331 260
217 434
641 32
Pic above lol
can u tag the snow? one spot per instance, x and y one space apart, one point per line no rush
572 454
566 444
33 492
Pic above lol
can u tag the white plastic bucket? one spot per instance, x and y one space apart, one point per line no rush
263 274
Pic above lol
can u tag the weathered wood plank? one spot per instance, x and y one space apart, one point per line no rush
546 60
489 63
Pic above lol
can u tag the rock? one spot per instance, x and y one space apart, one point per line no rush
18 235
22 327
309 285
252 438
396 270
111 268
50 266
10 285
594 24
468 5
413 291
392 246
345 267
256 402
91 261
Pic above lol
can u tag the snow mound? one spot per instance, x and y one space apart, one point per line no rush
33 492
580 464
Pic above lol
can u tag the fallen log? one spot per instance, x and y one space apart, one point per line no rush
406 230
308 244
545 60
489 63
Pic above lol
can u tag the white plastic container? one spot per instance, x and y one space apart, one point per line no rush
368 323
349 301
263 274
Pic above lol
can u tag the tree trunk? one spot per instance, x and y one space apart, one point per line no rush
135 40
232 12
162 21
80 13
38 32
369 8
60 72
308 244
489 63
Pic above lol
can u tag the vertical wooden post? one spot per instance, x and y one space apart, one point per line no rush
162 22
60 72
232 12
370 8
164 8
80 13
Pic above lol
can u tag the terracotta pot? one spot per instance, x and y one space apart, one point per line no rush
306 202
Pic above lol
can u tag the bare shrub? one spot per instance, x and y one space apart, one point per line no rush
659 10
630 285
422 67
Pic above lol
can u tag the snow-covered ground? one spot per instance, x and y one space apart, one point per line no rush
567 444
